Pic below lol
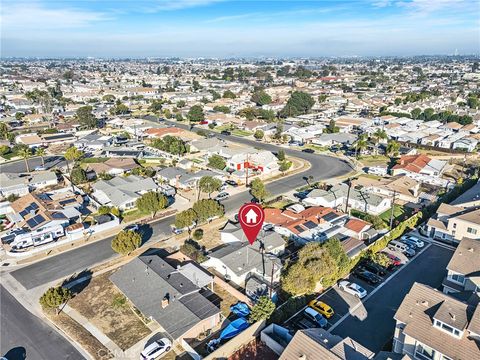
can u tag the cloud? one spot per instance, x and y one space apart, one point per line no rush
33 16
172 5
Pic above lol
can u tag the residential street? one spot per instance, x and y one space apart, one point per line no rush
24 336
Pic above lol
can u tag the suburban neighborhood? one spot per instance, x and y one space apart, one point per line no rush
122 184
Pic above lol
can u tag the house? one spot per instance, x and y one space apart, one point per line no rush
467 143
113 166
42 179
464 268
402 187
94 142
335 139
122 192
238 261
433 325
470 198
256 160
317 343
13 184
358 199
208 145
453 223
167 295
420 164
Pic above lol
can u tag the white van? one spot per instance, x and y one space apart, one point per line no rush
403 248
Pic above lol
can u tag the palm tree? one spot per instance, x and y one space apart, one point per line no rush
25 153
41 152
360 144
378 135
392 148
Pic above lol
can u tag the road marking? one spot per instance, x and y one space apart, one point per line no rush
352 310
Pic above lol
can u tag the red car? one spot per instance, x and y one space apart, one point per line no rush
395 260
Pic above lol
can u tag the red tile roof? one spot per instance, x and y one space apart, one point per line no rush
413 163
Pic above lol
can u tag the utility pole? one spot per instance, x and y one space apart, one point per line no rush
271 279
246 169
393 208
349 182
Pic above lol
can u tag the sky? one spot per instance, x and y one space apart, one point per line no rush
223 28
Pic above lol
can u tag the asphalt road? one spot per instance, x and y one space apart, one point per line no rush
18 167
372 325
24 336
85 257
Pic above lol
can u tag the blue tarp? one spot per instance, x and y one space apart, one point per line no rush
240 309
234 328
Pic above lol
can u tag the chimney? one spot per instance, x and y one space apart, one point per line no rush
165 301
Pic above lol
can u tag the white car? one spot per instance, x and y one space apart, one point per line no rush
352 288
222 196
418 243
155 349
40 168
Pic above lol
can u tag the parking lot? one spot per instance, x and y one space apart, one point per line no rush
370 321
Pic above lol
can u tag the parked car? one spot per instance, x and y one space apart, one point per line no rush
222 196
409 243
132 227
231 183
418 243
295 143
315 317
403 248
40 168
226 132
352 288
155 349
374 268
301 195
394 260
367 276
322 308
310 151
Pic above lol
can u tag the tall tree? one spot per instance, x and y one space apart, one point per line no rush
206 209
151 202
195 114
209 184
258 190
85 117
262 310
25 153
41 152
126 241
260 98
54 297
186 218
299 103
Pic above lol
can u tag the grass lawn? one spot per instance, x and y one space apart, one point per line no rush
242 133
133 215
108 309
280 204
399 213
315 147
371 176
372 160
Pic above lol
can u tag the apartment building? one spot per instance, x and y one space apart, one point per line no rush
431 325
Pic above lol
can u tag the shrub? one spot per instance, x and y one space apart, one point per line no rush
198 234
54 297
262 310
126 241
193 250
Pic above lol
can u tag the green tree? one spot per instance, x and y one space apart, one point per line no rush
393 148
41 152
25 153
378 135
261 98
181 104
360 145
54 297
4 149
284 166
206 209
416 113
156 106
217 162
3 130
299 103
151 202
229 95
322 98
119 108
78 175
195 114
171 144
108 98
262 310
186 218
85 117
222 108
126 241
259 134
281 155
209 184
332 127
103 210
258 190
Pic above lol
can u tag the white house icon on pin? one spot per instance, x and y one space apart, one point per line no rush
251 217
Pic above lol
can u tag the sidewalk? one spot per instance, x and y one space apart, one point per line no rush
92 329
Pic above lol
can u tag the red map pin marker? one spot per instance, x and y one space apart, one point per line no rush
251 218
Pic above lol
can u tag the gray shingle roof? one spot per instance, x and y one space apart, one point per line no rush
148 279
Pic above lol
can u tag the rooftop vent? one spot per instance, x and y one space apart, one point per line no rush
165 301
470 249
424 302
452 316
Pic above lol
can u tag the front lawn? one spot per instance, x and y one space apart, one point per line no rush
374 160
242 133
108 309
400 213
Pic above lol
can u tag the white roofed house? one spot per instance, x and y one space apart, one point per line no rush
467 143
122 192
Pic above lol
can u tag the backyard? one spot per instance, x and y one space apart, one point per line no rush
108 309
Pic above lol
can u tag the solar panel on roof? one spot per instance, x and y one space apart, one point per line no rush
36 220
298 228
310 225
58 215
330 216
